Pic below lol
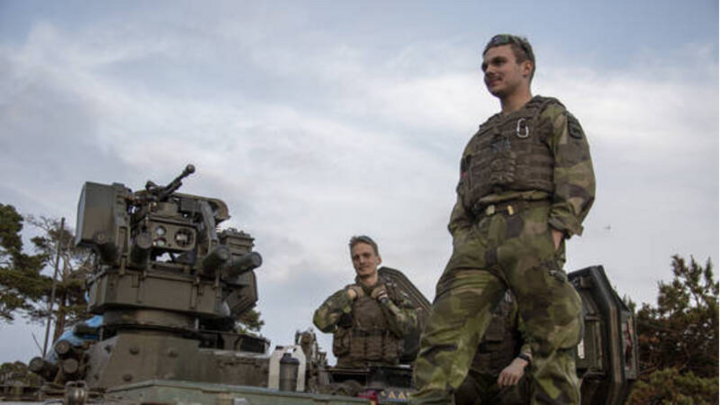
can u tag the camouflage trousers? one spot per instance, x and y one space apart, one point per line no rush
482 388
498 252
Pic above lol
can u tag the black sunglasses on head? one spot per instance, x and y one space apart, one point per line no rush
504 39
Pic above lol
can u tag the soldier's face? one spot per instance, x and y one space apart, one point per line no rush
364 259
503 75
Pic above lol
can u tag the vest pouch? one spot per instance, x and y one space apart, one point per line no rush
391 348
357 344
374 346
510 153
341 342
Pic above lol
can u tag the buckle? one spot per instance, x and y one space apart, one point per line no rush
493 209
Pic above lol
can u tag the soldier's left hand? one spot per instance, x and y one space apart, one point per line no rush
512 374
379 292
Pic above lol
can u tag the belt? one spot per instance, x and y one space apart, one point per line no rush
510 207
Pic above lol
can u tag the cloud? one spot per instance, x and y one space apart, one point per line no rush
311 140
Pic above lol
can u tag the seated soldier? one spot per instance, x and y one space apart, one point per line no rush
497 374
369 318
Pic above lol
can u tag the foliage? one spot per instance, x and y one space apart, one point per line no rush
678 339
250 322
18 383
24 290
682 331
16 367
74 268
22 286
670 387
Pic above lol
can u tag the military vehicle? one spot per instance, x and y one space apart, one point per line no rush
170 287
606 358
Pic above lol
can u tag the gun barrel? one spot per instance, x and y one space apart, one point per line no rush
215 260
175 184
243 264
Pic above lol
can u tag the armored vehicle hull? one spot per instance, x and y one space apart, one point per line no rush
187 392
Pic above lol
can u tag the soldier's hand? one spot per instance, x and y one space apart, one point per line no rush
512 374
379 293
355 291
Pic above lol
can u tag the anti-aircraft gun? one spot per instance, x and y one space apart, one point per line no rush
167 283
162 265
170 287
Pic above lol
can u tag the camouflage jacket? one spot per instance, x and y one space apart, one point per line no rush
573 190
337 311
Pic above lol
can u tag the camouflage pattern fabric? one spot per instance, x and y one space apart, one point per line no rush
513 248
573 175
338 314
482 388
502 340
499 347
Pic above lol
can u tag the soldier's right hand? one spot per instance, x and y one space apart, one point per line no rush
355 291
379 293
512 374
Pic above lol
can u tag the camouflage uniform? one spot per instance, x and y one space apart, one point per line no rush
522 175
503 341
367 331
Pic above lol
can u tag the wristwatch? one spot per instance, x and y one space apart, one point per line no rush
524 357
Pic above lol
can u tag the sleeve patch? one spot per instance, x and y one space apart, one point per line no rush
574 128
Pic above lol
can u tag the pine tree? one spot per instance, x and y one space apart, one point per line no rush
74 267
23 289
678 339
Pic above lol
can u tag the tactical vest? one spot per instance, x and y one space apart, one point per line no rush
368 338
501 342
509 153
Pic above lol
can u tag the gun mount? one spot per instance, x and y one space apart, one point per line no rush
170 287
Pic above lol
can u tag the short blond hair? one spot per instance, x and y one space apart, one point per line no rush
363 239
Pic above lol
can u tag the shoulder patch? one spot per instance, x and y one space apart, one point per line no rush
574 128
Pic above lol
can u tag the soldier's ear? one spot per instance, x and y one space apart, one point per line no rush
379 259
526 67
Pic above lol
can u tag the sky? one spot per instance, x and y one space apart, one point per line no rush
318 120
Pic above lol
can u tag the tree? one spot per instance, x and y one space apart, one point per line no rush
670 387
15 379
75 265
22 286
678 339
682 331
250 322
24 290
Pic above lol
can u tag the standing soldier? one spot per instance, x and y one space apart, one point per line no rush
370 318
526 184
